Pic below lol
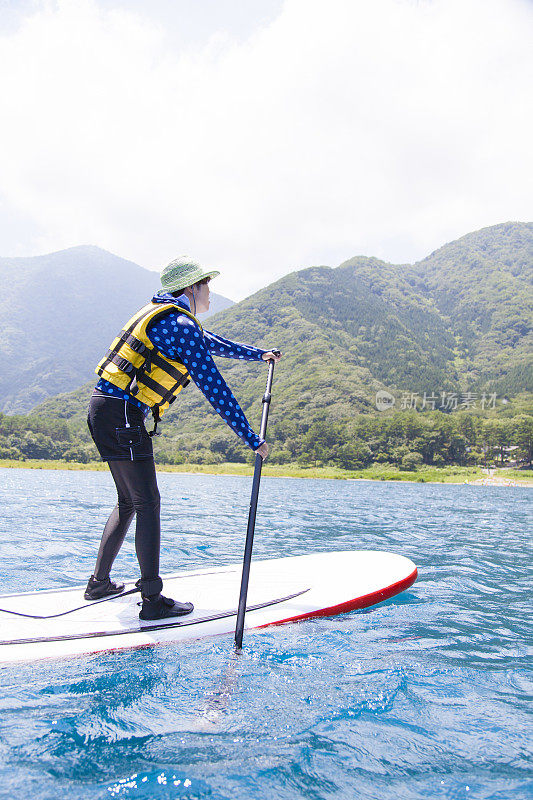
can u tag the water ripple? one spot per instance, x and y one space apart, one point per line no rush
422 696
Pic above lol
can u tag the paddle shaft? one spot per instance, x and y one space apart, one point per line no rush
239 627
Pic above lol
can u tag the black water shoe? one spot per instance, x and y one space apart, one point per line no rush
97 589
160 607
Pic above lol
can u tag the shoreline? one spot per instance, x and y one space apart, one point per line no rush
472 476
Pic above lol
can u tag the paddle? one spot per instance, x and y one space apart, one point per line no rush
253 510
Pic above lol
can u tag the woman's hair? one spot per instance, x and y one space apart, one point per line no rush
194 286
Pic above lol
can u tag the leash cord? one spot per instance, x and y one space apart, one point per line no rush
71 610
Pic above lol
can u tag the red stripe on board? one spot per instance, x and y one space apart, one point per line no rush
359 602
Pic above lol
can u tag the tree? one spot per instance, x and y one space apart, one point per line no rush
411 461
523 437
355 455
498 435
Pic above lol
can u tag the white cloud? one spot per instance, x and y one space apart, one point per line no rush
382 127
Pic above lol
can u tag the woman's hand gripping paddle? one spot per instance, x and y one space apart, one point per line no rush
253 509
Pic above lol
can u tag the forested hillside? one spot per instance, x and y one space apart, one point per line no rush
450 334
482 284
403 439
58 314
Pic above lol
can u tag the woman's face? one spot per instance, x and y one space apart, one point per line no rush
201 296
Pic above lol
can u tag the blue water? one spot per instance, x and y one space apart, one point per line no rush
423 696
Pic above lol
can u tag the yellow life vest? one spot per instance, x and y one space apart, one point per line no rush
133 363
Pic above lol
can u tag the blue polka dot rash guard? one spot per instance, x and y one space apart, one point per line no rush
177 337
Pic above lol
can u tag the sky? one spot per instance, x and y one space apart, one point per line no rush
262 136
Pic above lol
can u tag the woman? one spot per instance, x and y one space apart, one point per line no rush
155 355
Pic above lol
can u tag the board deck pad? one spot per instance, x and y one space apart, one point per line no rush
280 590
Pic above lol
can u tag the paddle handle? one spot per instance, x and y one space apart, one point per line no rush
239 627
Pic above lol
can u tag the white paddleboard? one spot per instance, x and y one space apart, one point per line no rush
280 590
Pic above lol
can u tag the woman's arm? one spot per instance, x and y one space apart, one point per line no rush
220 346
177 337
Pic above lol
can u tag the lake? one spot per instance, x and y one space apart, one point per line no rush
423 696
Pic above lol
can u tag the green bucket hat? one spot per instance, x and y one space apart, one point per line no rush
182 272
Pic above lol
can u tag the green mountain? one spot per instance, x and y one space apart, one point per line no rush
482 285
346 332
58 314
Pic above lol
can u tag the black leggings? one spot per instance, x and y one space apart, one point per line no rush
138 494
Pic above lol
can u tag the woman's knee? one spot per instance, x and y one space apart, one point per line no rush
147 501
125 506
